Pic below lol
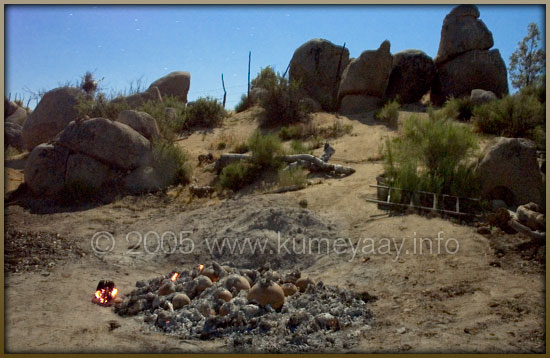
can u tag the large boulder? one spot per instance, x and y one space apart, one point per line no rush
318 66
109 142
411 76
87 172
472 70
12 135
368 74
462 31
53 113
356 103
508 170
142 122
45 169
18 116
175 84
137 100
9 107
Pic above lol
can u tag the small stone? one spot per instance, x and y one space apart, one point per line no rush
203 282
223 294
303 283
289 289
401 330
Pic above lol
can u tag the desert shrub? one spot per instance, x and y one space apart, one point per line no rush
169 125
458 108
281 104
267 78
170 162
265 149
237 175
434 155
309 131
244 104
512 116
291 176
205 112
241 148
98 105
298 147
389 113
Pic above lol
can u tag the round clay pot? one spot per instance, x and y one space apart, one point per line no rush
266 292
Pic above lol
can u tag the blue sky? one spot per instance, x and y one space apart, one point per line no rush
48 45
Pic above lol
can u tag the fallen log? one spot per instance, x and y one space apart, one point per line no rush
536 235
311 162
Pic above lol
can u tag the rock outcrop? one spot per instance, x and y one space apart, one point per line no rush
174 84
141 122
411 76
464 60
53 113
318 66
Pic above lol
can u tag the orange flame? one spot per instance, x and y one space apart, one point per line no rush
175 276
201 267
103 296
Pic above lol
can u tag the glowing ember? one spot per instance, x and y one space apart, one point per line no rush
105 293
175 276
201 267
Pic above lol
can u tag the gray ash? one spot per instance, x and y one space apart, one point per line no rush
319 319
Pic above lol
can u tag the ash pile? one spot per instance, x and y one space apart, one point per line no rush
253 310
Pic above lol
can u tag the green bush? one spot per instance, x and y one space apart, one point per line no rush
205 112
169 125
310 131
458 108
237 175
244 104
265 149
267 78
389 113
281 104
512 116
241 148
98 105
298 147
434 154
170 162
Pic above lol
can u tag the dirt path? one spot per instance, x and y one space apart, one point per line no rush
469 301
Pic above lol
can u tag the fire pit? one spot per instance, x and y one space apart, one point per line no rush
105 293
321 318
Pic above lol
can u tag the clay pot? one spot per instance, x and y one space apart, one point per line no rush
210 273
289 289
180 300
303 283
223 294
203 283
266 292
236 282
167 288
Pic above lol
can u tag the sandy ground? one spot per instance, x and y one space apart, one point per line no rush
475 300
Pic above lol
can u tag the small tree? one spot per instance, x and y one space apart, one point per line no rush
528 62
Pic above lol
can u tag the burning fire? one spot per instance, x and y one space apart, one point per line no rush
175 276
105 293
201 267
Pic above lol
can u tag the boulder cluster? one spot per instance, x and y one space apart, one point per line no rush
68 151
464 62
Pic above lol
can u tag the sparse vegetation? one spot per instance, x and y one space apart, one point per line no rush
281 102
519 115
432 155
205 112
265 150
298 147
292 176
309 130
170 162
244 104
170 121
458 108
389 113
237 175
528 62
98 105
